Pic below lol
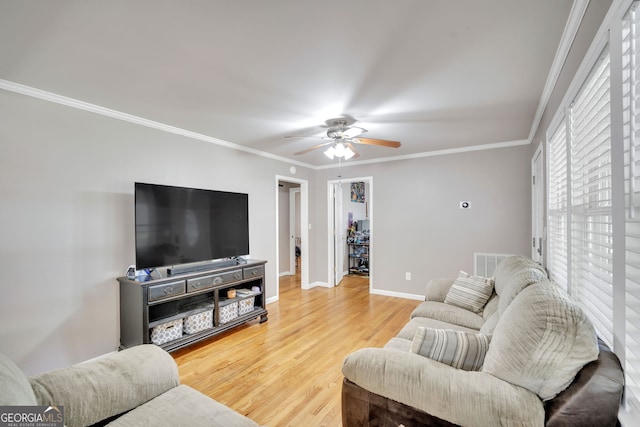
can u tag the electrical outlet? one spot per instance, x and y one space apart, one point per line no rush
407 276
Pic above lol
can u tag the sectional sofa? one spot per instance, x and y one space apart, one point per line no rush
138 386
513 350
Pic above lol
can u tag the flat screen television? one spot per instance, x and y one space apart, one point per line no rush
179 225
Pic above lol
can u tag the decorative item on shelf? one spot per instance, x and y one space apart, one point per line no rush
256 289
231 293
244 293
131 272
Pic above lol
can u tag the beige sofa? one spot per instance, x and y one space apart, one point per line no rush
528 356
138 386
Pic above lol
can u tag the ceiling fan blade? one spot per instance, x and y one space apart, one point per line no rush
352 132
314 147
300 136
380 142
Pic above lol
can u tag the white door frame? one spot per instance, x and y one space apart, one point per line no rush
304 230
292 228
331 225
538 238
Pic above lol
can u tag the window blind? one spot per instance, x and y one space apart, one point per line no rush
591 212
557 207
631 135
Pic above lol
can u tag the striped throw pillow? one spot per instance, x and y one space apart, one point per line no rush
470 292
462 350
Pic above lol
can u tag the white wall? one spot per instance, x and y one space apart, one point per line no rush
66 216
418 226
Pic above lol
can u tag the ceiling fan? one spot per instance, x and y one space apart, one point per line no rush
342 138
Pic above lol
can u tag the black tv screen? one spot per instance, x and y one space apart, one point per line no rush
178 225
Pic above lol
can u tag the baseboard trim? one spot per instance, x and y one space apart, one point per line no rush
316 284
383 292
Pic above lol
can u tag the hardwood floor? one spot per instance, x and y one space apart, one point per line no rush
287 371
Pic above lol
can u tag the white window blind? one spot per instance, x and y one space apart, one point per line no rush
557 207
631 133
591 212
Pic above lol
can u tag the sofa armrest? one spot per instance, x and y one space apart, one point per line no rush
437 289
99 389
460 397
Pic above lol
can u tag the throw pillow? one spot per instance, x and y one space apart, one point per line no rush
462 350
470 292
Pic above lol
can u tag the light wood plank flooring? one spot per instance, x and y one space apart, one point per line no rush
287 371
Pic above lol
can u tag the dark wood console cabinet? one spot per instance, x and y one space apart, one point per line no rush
157 307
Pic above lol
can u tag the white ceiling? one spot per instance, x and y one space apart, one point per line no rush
434 75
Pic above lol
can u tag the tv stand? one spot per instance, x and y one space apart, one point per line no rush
192 268
177 310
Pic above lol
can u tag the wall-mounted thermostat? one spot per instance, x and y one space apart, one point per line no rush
465 205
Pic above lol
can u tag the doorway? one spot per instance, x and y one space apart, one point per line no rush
292 229
350 229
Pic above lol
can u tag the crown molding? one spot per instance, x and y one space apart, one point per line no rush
445 152
119 115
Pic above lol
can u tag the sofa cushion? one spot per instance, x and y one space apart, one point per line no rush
514 274
409 330
15 389
541 341
465 398
490 324
462 350
183 406
110 385
437 289
398 344
491 306
448 313
470 292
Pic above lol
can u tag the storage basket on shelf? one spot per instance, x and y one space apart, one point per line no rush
246 305
198 322
228 311
166 332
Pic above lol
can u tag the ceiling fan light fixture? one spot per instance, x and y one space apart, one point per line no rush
340 149
330 152
348 153
342 137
